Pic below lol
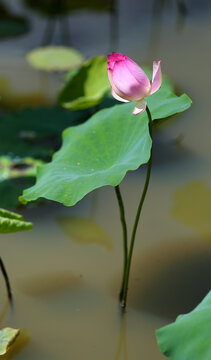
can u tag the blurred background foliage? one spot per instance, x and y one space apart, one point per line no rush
62 7
11 25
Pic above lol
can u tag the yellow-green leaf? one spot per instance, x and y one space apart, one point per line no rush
7 338
55 58
11 222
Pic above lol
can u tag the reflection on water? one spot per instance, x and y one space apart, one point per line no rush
50 284
192 206
12 100
85 231
122 342
4 309
171 153
172 280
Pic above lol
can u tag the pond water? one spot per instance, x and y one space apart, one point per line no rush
66 273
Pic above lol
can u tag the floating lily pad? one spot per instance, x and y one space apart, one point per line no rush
55 58
85 231
11 222
86 86
188 338
7 338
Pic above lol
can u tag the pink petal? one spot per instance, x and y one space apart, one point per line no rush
127 81
117 97
139 74
117 92
113 58
140 107
156 76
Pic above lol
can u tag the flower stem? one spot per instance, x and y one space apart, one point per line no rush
124 229
127 272
7 282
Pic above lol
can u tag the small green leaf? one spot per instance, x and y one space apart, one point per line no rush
55 58
11 222
84 231
188 338
87 86
7 338
94 154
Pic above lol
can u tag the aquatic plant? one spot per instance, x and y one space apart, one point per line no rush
110 143
130 83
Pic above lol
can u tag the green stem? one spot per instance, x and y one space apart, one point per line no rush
124 229
127 274
7 282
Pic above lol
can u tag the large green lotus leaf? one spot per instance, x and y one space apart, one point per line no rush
7 338
96 153
101 151
11 222
36 132
188 338
55 58
86 86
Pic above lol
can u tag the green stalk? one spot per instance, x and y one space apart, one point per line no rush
124 229
7 282
127 272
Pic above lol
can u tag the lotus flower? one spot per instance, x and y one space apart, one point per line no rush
130 83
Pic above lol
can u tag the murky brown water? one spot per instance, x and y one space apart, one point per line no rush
66 284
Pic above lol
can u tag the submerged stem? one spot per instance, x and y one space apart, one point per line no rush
7 282
127 272
124 229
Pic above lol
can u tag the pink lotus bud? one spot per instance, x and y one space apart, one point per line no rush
130 83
